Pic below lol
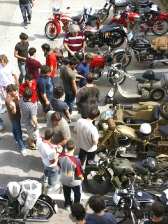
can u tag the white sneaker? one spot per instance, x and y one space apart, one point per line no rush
57 186
45 180
26 26
3 110
23 151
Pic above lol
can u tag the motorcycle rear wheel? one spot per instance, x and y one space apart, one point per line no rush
95 182
157 94
160 27
51 30
119 213
42 210
122 58
116 40
103 14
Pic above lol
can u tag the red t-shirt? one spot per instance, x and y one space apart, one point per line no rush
33 88
33 67
51 61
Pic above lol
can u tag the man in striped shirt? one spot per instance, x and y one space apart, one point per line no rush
74 40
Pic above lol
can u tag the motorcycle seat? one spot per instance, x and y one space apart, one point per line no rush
140 79
163 129
76 18
139 167
110 28
150 75
158 77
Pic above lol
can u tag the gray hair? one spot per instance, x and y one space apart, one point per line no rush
74 28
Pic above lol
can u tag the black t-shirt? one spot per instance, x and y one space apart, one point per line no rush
22 2
163 221
22 50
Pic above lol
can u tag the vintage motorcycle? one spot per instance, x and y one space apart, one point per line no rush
112 36
12 210
110 172
53 27
149 86
151 20
135 204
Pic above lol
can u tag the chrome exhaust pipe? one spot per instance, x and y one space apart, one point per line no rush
27 220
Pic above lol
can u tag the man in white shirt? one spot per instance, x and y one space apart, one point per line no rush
87 136
49 154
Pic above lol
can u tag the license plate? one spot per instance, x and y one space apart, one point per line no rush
116 198
56 207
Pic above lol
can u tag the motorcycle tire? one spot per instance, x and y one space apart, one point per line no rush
160 27
41 209
51 30
95 182
161 111
119 213
115 41
157 94
103 14
122 58
118 76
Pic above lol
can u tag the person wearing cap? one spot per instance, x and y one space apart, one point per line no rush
74 40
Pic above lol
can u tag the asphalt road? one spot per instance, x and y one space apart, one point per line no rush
13 167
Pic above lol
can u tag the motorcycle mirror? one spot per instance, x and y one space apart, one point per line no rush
68 7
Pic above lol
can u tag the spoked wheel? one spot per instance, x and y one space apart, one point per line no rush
157 94
122 58
160 27
119 213
51 30
103 14
116 39
118 76
41 210
97 181
153 146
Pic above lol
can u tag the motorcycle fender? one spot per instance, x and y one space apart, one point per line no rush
49 200
162 16
111 92
121 51
58 25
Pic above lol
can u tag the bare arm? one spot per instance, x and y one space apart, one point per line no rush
17 56
13 107
58 148
74 86
34 119
45 98
68 115
95 142
74 132
16 79
51 68
84 46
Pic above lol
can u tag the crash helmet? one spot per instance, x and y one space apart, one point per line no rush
150 163
55 8
87 10
13 190
145 129
128 120
65 60
79 55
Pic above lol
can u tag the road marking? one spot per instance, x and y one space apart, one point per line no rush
61 196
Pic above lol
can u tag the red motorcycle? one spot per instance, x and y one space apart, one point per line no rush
53 27
151 20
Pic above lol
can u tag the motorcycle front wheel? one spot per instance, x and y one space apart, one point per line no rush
41 210
119 213
103 14
123 58
160 27
116 39
117 75
51 30
97 181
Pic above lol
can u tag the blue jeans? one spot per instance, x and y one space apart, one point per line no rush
69 99
67 194
26 12
51 173
17 133
23 71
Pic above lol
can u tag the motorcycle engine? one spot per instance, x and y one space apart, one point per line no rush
141 55
97 72
93 40
145 94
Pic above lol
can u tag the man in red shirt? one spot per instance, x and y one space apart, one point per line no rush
50 59
32 64
74 40
31 83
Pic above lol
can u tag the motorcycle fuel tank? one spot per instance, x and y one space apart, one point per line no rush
133 16
141 44
122 166
98 61
127 131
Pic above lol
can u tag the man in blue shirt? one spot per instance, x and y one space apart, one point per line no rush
84 68
45 89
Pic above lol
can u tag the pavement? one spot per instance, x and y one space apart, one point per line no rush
13 166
